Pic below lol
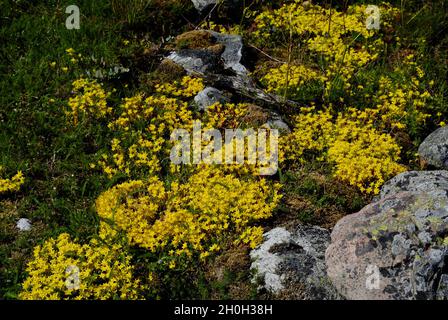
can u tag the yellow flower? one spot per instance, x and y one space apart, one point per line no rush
191 218
13 184
361 155
90 100
62 269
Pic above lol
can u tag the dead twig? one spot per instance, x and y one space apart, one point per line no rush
267 55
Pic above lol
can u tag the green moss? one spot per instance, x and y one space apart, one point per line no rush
196 39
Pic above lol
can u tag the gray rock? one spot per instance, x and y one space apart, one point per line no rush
232 54
200 5
401 237
433 182
266 263
24 224
196 60
276 122
209 96
442 291
290 260
231 7
434 149
205 61
225 70
425 237
401 246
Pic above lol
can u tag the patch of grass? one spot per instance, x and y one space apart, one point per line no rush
315 197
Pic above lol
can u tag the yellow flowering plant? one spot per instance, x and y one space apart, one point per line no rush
13 184
339 41
63 269
192 219
143 126
361 155
89 101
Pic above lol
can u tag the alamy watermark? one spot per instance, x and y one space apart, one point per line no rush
237 147
72 282
73 21
374 17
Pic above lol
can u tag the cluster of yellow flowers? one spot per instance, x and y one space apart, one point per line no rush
289 77
63 269
144 125
72 55
13 184
311 136
396 104
90 100
340 42
192 218
358 140
362 155
227 115
186 88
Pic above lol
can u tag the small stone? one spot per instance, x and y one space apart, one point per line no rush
24 224
232 54
278 124
266 263
208 97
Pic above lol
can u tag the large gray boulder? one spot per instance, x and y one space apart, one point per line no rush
434 149
291 264
434 183
395 248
